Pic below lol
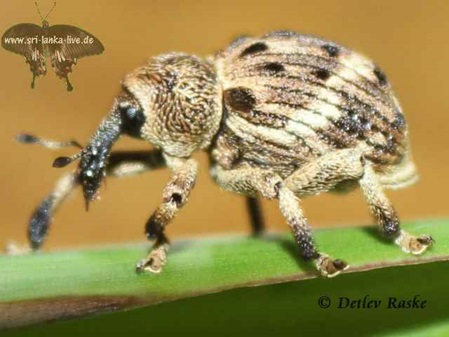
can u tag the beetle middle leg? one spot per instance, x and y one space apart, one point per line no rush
321 175
174 197
250 181
255 214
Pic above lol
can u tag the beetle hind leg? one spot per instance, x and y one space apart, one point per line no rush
290 208
386 216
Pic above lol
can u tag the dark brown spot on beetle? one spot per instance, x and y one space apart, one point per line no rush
381 77
336 137
399 122
390 147
273 67
321 74
353 124
177 199
332 51
259 117
254 49
240 99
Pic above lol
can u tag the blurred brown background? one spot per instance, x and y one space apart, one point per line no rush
408 39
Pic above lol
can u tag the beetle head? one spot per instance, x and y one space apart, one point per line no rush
173 102
181 102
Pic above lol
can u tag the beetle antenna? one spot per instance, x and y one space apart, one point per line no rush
25 138
64 161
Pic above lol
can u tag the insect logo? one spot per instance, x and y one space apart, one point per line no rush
64 45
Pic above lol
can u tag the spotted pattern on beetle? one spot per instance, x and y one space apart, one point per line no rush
282 117
309 92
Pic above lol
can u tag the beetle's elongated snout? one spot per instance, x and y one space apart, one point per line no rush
94 155
126 117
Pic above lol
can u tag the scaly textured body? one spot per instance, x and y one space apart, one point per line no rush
282 117
291 98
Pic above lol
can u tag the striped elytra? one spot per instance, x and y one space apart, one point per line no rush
298 97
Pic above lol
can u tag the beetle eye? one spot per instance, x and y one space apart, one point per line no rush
132 119
131 112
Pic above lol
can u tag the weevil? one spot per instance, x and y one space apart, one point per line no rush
282 117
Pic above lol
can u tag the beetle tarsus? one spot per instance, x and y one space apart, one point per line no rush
414 244
155 261
13 248
329 267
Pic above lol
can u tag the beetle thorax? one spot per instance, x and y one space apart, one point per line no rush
181 102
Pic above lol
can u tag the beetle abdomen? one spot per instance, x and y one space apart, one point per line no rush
289 98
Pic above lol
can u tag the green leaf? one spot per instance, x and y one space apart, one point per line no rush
46 286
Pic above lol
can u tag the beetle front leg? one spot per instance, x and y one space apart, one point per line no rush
387 218
42 216
120 164
174 197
